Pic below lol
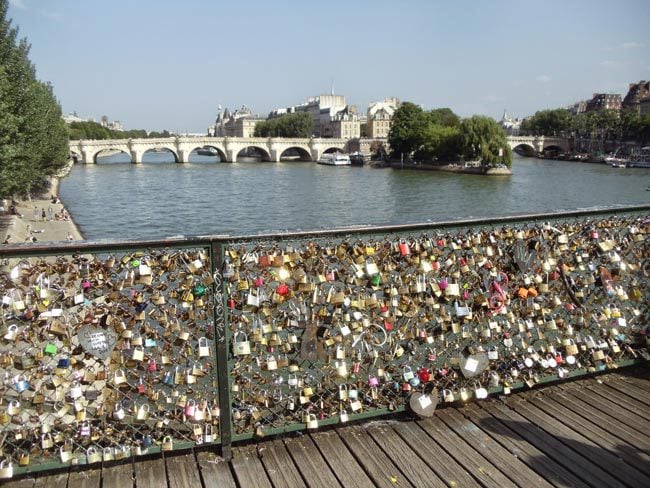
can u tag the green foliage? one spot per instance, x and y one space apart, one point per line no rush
440 135
94 130
482 139
33 137
408 130
289 125
546 123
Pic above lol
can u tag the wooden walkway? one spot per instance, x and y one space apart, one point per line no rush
592 432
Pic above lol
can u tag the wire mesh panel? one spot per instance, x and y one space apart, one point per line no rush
324 331
107 355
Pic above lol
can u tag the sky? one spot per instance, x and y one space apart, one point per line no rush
168 64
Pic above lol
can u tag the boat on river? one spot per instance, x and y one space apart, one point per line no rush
358 159
207 151
640 159
334 159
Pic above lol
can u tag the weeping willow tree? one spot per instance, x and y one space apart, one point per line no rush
482 139
33 136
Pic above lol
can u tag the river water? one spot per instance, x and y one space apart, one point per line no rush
158 198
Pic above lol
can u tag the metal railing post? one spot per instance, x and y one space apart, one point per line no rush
221 346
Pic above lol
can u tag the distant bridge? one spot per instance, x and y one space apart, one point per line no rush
539 143
271 149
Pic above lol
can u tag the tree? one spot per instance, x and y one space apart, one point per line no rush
289 125
407 130
546 123
33 136
483 139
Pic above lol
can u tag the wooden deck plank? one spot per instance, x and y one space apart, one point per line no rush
182 471
447 468
279 465
479 467
534 458
593 430
630 390
630 404
214 470
150 472
248 468
634 431
87 478
54 480
309 461
19 483
574 439
560 453
609 400
408 460
374 461
510 465
341 461
118 476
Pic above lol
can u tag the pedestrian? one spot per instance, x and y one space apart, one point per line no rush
70 236
43 215
36 214
50 213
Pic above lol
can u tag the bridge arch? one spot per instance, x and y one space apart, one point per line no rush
108 151
159 149
220 150
525 150
264 154
295 153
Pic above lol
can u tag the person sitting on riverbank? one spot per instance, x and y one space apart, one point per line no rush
7 239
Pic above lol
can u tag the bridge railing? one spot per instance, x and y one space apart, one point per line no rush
117 349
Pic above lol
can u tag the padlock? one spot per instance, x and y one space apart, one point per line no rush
152 367
6 469
208 436
13 408
204 348
142 412
167 443
65 453
75 390
138 353
312 421
241 347
93 455
119 377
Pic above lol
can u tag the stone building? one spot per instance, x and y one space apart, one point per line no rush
240 123
509 125
603 101
330 115
638 97
379 115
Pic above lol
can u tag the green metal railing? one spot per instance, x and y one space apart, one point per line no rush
117 349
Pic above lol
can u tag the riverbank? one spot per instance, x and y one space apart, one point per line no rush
454 168
29 224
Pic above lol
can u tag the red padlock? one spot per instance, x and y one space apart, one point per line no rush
282 289
404 248
440 242
435 265
388 326
140 387
424 374
258 282
152 367
231 303
406 387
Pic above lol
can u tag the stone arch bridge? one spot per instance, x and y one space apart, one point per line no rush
228 148
272 149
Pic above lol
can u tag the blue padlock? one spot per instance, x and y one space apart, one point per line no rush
21 385
63 363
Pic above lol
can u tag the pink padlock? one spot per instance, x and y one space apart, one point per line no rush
258 282
190 408
373 381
